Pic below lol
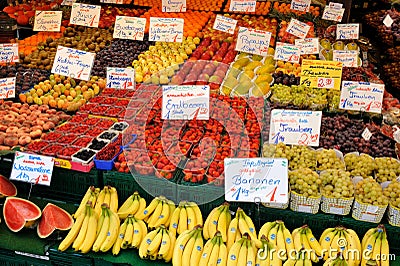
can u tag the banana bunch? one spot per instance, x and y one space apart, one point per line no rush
83 233
90 195
188 247
339 260
242 252
341 241
268 254
303 257
157 213
107 229
109 196
131 234
239 226
304 240
218 221
214 252
157 244
375 246
133 204
279 236
185 217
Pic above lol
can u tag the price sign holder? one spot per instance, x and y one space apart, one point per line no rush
7 88
253 41
47 21
321 74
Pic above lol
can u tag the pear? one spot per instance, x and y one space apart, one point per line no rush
252 65
352 46
326 44
339 45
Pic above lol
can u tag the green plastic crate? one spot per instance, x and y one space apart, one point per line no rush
11 258
68 258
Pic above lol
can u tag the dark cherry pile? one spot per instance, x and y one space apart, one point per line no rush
25 77
285 79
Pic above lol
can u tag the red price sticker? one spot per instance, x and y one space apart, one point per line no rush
327 83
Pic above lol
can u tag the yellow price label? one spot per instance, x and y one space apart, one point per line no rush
321 74
62 163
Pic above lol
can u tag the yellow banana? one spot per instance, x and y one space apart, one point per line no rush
180 246
289 245
231 235
168 256
272 234
164 216
146 242
212 227
222 223
182 225
264 230
127 241
84 200
290 262
118 243
191 217
313 242
130 206
155 244
280 242
100 201
334 248
197 211
141 215
376 252
252 228
222 254
90 235
189 247
326 232
102 233
107 195
242 258
213 260
73 233
112 232
82 232
165 245
113 199
173 225
326 240
142 206
233 255
385 256
251 256
156 214
367 235
197 249
139 232
172 208
206 233
208 247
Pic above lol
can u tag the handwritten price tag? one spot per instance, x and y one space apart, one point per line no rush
334 14
287 52
366 134
85 15
30 168
256 180
174 5
68 2
300 5
253 41
317 73
243 6
308 45
225 24
120 78
298 28
295 127
327 83
166 29
119 2
73 63
349 58
9 52
7 88
130 28
347 31
361 96
47 21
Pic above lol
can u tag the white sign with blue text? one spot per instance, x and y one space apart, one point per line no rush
295 127
253 41
166 29
121 78
186 102
300 5
32 168
225 24
73 63
349 31
85 15
256 180
174 5
7 88
298 28
243 5
361 96
131 28
9 52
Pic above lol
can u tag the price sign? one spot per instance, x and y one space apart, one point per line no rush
166 29
253 41
131 28
119 2
298 28
174 5
186 102
300 5
73 63
256 180
68 2
366 134
361 96
243 6
335 5
287 52
349 58
120 78
295 127
308 45
334 14
9 52
319 74
225 24
347 31
7 88
388 21
32 168
85 15
47 21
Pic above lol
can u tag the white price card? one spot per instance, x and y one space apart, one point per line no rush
256 180
295 127
253 41
388 21
298 28
225 24
361 96
174 5
308 45
300 5
349 58
119 2
32 168
166 29
9 53
7 88
335 5
121 78
68 2
85 15
287 52
243 5
47 21
131 28
186 102
366 134
334 14
347 31
73 63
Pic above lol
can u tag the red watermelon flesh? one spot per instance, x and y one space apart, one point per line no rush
6 187
53 217
20 212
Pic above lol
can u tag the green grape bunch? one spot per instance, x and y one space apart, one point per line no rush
370 192
327 159
359 165
336 183
392 191
386 169
305 182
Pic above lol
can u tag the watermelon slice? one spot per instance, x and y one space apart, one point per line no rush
6 187
19 213
53 217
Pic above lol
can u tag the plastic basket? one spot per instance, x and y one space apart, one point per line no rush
68 258
367 213
393 215
106 165
336 206
300 203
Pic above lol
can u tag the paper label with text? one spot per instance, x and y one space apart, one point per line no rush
174 5
349 58
388 21
287 52
119 2
131 28
300 5
298 28
68 2
85 15
225 24
186 102
166 29
321 74
361 96
335 5
73 63
7 88
256 180
334 14
347 31
308 45
243 5
32 168
9 53
366 134
253 41
120 78
47 21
